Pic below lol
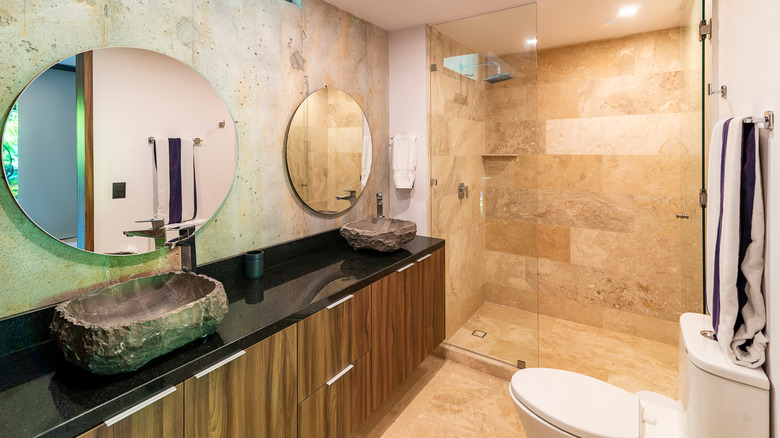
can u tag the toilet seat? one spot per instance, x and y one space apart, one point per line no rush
578 404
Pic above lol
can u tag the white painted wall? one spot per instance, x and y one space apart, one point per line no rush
747 56
139 94
409 115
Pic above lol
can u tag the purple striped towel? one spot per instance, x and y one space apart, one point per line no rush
735 242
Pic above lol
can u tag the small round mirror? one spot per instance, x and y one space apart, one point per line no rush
112 150
328 151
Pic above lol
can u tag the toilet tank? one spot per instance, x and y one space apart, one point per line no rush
719 397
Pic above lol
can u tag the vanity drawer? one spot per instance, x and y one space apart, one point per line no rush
340 406
331 339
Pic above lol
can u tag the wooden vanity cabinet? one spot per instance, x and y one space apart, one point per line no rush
332 339
407 312
163 418
251 396
340 406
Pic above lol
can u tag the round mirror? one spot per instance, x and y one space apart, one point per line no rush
328 151
113 150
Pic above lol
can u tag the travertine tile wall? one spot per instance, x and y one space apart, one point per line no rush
457 142
610 183
262 56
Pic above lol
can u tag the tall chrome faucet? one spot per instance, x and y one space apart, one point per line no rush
379 209
186 241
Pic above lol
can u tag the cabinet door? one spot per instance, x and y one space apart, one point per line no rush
251 396
433 283
339 407
388 346
163 418
331 339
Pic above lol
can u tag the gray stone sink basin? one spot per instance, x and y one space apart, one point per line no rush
121 327
380 234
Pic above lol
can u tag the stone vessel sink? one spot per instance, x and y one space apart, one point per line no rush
121 327
381 234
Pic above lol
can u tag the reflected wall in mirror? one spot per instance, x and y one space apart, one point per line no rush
328 151
78 158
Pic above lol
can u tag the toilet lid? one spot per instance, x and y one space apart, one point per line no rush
581 405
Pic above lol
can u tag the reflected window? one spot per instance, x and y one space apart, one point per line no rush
11 150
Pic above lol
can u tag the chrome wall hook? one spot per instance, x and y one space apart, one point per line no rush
711 90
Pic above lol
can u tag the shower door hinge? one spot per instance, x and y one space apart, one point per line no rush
703 198
705 29
434 67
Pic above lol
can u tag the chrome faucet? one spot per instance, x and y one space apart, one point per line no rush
157 232
379 209
351 196
185 241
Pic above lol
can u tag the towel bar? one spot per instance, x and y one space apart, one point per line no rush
195 140
768 120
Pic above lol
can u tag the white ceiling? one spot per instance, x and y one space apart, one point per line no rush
560 22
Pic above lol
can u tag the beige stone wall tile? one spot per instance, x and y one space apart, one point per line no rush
570 310
554 243
514 104
625 252
519 172
511 137
657 51
510 270
523 299
643 175
511 236
579 173
510 203
656 216
652 134
643 326
628 95
597 59
602 211
558 100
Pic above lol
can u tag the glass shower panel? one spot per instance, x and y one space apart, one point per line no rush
483 153
694 139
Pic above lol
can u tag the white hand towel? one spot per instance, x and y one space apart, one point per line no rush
404 161
175 195
367 156
735 242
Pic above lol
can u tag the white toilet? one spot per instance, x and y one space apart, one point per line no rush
717 398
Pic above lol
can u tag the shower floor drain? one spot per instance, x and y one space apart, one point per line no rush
478 333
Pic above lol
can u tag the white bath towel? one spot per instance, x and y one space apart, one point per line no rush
175 191
735 242
367 156
404 161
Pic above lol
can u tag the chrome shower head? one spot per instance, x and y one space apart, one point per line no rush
499 78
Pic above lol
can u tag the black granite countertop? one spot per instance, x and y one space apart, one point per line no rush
43 395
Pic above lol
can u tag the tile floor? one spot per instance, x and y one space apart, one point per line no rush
444 399
627 361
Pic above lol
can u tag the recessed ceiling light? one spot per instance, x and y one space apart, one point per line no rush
628 11
531 41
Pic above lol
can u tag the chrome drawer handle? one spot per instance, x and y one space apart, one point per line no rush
338 376
406 267
219 364
117 418
419 260
339 301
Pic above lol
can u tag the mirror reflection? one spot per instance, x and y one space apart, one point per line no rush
328 151
111 137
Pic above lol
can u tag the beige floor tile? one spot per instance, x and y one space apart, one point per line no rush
444 399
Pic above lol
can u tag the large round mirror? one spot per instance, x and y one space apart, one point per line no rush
112 150
328 151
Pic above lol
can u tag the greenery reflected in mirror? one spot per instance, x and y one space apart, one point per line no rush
328 151
78 160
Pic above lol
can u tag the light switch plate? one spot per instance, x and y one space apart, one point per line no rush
118 191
